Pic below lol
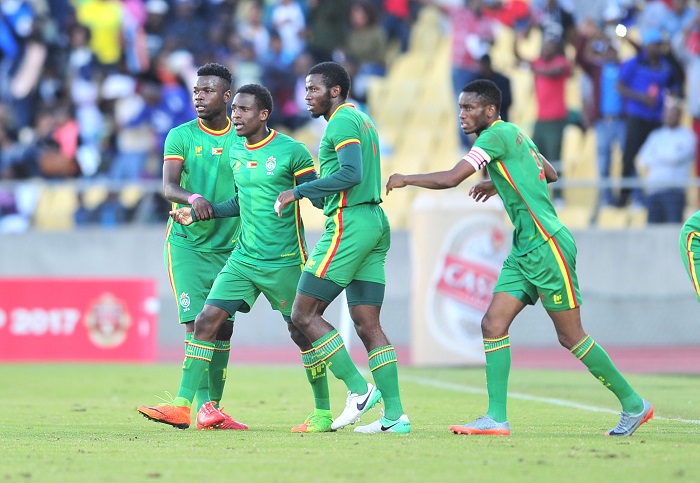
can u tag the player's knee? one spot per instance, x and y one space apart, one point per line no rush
299 338
225 332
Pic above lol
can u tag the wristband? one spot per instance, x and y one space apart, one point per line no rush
193 197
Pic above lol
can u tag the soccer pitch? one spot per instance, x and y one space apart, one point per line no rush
64 422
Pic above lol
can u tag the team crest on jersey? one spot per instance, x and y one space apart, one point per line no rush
270 165
185 301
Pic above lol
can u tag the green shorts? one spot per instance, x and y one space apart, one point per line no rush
242 281
548 272
353 246
689 245
192 274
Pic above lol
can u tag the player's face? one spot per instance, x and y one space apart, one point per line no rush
318 96
246 116
210 97
472 113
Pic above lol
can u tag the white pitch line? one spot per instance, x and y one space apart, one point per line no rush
527 397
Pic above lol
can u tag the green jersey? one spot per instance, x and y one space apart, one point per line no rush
514 164
206 171
346 126
261 171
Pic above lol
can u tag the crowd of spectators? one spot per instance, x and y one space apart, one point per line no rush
90 88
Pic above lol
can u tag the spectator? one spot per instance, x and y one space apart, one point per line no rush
327 22
104 19
551 71
486 72
556 22
687 49
472 35
598 57
366 45
667 155
644 82
288 20
396 21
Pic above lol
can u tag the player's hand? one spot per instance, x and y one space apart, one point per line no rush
203 208
483 190
182 216
284 199
396 180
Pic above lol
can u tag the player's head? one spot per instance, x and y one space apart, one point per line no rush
250 110
327 86
212 91
479 105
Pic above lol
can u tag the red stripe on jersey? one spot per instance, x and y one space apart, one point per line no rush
573 303
337 244
534 218
304 171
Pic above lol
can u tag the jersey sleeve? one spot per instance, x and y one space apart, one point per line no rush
302 161
342 132
488 147
174 148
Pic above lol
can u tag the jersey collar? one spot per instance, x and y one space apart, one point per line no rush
262 143
347 104
213 132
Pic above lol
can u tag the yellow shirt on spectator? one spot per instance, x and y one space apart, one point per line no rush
104 19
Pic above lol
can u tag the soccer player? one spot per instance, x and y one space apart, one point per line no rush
689 245
196 172
351 253
541 264
269 254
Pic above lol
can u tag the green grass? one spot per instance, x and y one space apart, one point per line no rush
79 423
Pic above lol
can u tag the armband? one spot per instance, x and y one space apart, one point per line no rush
193 197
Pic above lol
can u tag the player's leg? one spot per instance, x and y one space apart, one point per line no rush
561 298
191 277
495 324
371 237
279 284
313 297
198 355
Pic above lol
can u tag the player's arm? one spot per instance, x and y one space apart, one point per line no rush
308 177
172 191
349 175
226 209
438 180
550 172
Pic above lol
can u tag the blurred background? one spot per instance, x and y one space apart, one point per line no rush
608 89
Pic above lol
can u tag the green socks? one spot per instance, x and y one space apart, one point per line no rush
498 359
599 364
383 365
317 376
198 355
211 386
330 350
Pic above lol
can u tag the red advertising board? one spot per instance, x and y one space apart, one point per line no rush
79 320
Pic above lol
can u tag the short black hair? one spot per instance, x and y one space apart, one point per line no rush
262 95
487 92
333 75
219 71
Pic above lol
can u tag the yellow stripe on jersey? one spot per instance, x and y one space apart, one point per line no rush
345 143
506 175
570 293
337 234
303 171
170 271
691 261
173 157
